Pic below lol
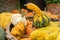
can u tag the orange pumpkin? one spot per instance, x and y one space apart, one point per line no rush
15 11
29 27
29 14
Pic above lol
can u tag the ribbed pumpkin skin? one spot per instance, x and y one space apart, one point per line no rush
2 34
40 20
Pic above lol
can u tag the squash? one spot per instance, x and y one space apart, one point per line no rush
47 33
18 18
33 7
2 34
19 30
5 19
40 19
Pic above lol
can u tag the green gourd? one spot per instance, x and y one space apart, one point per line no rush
41 21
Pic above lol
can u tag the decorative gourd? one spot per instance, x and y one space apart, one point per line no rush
18 18
40 19
47 33
5 19
29 27
2 34
19 30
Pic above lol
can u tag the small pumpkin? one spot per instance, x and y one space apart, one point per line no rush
29 27
15 11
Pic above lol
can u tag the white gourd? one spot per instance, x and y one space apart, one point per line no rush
18 18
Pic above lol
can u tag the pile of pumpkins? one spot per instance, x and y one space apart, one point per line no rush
23 27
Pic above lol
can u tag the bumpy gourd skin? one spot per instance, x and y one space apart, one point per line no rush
41 20
18 30
51 32
48 33
2 34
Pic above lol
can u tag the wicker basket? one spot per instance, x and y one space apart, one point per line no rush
9 36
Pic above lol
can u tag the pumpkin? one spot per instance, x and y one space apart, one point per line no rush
2 34
29 14
29 27
40 19
15 11
19 30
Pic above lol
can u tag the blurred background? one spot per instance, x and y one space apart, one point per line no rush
9 5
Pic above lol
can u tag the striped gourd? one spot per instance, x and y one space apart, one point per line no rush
40 19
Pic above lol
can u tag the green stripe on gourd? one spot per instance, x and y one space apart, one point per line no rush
46 20
41 21
38 21
38 24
